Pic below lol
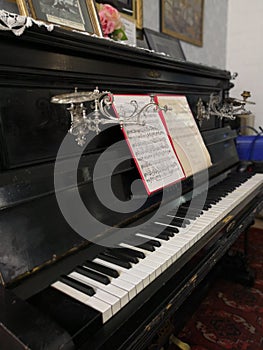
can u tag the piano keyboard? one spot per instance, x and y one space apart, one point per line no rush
116 276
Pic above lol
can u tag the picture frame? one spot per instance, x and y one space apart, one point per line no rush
131 9
160 42
72 14
130 29
183 19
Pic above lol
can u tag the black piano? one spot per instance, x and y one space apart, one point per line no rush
59 290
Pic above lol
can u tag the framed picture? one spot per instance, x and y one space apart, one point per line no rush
133 9
130 29
9 5
183 19
74 14
160 42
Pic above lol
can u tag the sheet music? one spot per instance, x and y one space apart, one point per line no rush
149 143
185 135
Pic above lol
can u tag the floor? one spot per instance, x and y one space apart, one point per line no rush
228 307
230 317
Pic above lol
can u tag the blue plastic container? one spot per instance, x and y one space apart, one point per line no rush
250 147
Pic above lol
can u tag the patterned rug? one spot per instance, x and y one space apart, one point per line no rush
231 316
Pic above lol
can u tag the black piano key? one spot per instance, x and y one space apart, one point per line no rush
205 205
191 214
149 232
164 236
182 215
141 243
102 269
183 220
156 229
218 194
112 259
169 233
211 201
134 252
154 242
179 221
211 197
170 221
77 285
123 255
189 208
147 246
78 319
214 194
96 276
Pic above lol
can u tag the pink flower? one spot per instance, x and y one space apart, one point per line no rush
110 19
111 10
110 27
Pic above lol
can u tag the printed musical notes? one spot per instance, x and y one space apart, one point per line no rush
149 143
185 135
166 144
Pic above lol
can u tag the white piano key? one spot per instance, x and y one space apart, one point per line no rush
97 304
143 266
132 279
148 272
169 248
113 301
74 293
139 278
156 262
110 299
123 284
130 288
99 294
121 294
166 225
100 306
150 259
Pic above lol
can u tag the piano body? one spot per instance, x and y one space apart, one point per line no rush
40 254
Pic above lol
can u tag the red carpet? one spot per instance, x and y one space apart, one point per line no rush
231 316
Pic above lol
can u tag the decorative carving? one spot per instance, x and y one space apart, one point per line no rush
82 123
229 108
154 74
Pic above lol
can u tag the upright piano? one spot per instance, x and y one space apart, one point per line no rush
57 289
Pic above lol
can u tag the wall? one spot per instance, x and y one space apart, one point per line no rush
245 51
213 52
232 39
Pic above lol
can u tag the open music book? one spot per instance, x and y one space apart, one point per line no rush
166 144
184 133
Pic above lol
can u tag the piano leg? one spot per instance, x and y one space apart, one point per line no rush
235 265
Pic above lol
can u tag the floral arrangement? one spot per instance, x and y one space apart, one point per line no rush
111 24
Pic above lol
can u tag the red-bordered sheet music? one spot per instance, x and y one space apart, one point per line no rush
149 144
